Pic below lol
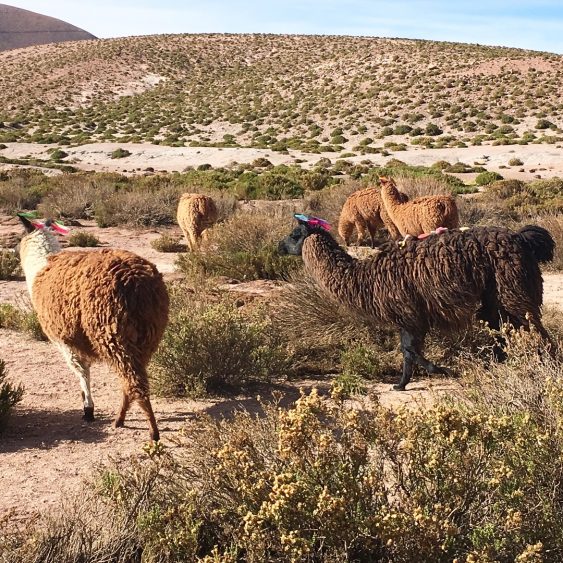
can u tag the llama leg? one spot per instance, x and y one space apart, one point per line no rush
361 229
81 367
410 346
145 404
408 367
125 403
491 313
345 230
136 388
372 232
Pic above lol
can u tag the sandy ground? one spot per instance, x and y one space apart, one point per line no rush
543 160
47 450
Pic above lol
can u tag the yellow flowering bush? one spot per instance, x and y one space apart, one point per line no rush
478 479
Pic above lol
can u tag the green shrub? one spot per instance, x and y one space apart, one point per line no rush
487 178
261 162
432 129
515 162
358 363
168 243
361 360
21 320
243 247
120 153
22 189
529 199
10 395
9 265
142 208
544 124
58 154
83 239
211 346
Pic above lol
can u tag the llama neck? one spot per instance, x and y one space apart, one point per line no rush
391 196
331 267
35 250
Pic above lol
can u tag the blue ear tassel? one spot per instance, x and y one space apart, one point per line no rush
312 221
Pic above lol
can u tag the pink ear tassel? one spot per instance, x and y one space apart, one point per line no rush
61 229
319 222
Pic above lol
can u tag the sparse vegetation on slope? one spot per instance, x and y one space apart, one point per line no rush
315 93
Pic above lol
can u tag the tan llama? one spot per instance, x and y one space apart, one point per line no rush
364 212
196 213
420 215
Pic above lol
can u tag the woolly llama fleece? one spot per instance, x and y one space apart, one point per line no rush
364 212
421 215
106 305
196 213
436 283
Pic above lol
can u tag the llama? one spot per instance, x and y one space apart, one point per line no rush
196 213
438 282
106 305
420 215
364 211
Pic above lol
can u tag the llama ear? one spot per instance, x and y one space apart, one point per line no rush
310 221
28 225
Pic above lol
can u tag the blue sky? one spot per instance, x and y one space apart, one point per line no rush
517 23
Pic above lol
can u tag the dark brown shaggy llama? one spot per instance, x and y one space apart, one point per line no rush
107 305
439 282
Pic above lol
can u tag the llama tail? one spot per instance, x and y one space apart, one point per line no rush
539 241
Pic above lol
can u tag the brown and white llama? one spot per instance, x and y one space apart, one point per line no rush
196 213
106 305
420 215
364 212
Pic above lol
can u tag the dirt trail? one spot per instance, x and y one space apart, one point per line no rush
47 449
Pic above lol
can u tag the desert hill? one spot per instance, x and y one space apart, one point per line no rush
315 93
22 28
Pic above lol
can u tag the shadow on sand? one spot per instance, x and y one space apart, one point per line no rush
43 429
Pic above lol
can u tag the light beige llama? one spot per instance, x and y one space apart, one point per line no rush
364 212
196 213
420 215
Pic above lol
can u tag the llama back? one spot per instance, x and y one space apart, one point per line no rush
364 207
197 208
100 301
447 209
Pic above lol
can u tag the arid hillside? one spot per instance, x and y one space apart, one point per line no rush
22 28
314 93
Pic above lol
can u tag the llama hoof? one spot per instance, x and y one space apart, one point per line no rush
399 387
155 436
118 423
88 415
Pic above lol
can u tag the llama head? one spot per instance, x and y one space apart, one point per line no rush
39 235
386 181
307 225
